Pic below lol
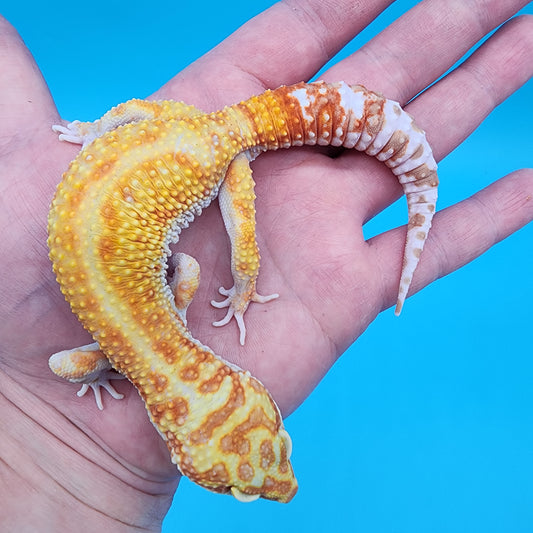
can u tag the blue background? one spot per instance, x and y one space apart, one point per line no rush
400 436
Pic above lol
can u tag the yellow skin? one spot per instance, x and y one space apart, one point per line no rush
145 170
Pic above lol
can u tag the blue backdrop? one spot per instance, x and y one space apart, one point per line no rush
396 438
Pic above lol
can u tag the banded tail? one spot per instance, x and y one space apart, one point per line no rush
353 117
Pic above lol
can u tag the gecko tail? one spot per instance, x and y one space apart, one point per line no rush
353 117
421 207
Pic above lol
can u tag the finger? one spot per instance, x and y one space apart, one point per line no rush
460 233
307 34
455 106
422 45
25 96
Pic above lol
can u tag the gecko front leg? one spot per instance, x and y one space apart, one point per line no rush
184 282
237 205
89 366
134 110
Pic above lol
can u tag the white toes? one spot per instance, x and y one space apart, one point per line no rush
68 133
102 382
237 304
226 319
222 304
239 317
260 299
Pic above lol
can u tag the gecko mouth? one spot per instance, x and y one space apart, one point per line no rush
242 497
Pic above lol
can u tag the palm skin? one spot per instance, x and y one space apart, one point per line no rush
311 209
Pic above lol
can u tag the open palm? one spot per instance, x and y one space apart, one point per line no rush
311 208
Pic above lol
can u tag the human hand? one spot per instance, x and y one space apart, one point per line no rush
330 298
311 207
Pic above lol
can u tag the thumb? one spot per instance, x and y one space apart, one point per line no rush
26 101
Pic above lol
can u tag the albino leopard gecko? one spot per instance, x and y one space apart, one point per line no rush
146 169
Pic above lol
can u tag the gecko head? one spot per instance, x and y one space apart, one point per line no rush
271 477
247 454
264 472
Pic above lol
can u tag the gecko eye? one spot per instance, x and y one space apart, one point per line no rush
285 437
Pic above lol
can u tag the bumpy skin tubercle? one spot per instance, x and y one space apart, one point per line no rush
145 171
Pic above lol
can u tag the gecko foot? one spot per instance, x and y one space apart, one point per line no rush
237 304
69 133
77 132
103 381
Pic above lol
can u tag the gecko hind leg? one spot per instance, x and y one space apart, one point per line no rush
237 205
